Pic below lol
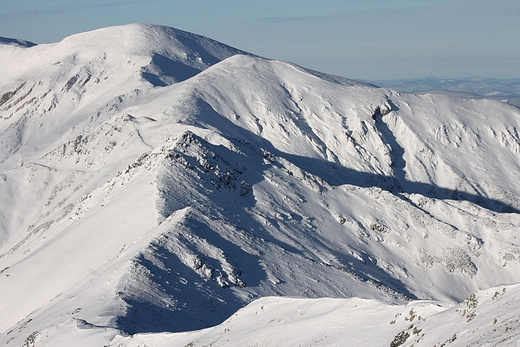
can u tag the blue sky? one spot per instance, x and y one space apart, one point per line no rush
364 39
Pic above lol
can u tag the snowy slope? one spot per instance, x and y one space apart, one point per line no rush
485 318
154 180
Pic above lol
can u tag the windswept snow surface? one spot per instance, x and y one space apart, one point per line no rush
155 182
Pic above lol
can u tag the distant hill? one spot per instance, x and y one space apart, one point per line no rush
16 42
507 90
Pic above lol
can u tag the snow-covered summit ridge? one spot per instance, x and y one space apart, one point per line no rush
166 46
162 47
166 196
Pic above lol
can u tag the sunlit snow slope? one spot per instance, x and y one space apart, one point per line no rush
153 180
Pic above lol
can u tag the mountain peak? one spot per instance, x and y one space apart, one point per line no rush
159 54
160 43
143 38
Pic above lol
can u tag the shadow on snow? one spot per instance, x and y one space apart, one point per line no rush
198 303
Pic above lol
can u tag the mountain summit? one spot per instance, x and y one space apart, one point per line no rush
153 180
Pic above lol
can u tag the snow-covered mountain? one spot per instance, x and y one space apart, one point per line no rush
156 181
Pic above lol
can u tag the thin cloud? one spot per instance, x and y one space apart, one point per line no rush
292 19
64 9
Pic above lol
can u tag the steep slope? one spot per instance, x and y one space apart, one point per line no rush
172 180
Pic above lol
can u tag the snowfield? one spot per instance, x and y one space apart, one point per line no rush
159 188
